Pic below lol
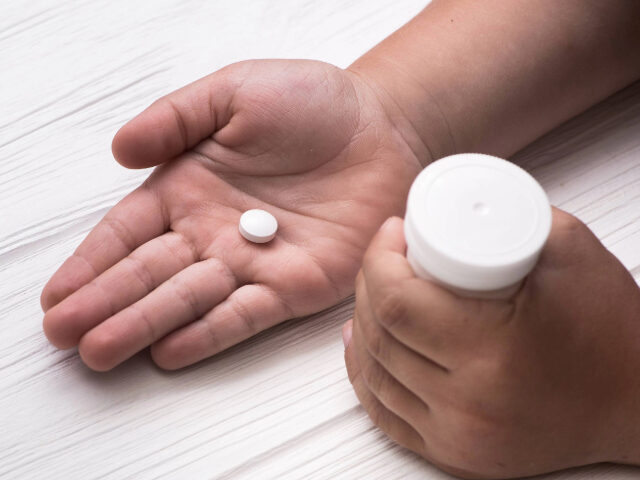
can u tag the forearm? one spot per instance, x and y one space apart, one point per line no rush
492 76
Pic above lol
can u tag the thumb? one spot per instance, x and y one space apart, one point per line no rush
176 122
390 237
384 262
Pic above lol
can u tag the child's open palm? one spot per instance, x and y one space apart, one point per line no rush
166 267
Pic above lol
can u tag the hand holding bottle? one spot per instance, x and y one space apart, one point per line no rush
544 380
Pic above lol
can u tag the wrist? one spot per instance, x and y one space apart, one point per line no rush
408 105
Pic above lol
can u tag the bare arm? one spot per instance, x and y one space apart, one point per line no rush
492 76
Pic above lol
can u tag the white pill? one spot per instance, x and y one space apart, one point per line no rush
258 226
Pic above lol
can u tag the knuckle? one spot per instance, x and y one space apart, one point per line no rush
571 242
214 340
225 271
244 314
178 117
377 415
374 342
120 231
188 297
143 317
375 377
180 247
390 309
567 222
141 272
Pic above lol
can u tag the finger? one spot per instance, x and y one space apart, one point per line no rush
248 310
419 313
417 373
120 286
391 393
183 298
388 249
390 423
136 219
176 122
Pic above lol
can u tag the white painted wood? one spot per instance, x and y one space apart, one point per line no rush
279 405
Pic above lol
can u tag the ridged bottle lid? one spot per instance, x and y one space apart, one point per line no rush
476 222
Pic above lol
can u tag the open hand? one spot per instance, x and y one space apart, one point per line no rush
497 389
166 267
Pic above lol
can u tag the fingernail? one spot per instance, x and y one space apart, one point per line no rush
347 331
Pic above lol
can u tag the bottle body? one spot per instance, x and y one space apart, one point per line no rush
476 224
497 294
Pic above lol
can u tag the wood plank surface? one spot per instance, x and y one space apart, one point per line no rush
279 405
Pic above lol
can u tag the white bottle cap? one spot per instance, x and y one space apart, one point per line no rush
476 222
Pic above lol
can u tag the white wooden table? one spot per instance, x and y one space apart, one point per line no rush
279 405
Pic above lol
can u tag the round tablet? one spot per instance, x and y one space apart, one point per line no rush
258 226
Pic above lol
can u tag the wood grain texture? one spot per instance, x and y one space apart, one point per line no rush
279 405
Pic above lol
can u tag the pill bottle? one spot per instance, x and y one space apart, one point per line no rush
476 224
